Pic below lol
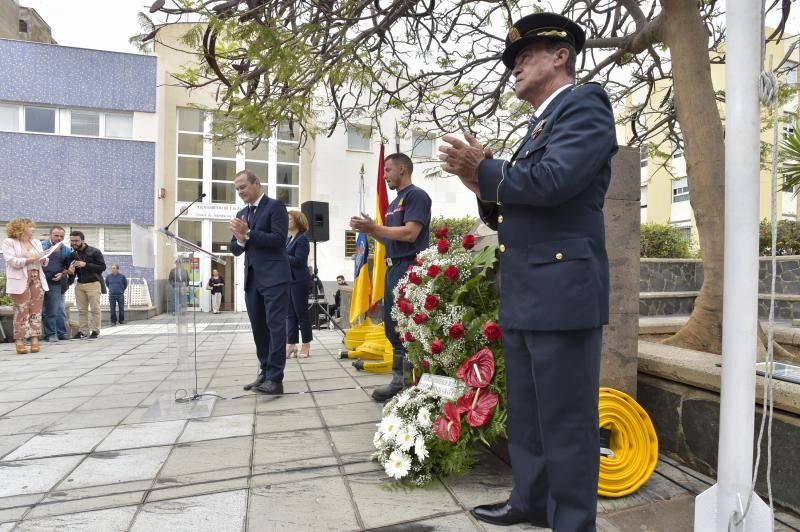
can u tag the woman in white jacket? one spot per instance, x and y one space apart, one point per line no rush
25 281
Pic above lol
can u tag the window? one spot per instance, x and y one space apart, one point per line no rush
421 145
223 171
40 119
643 196
680 190
643 157
287 181
788 124
190 154
349 244
359 138
255 160
9 117
190 230
91 234
220 237
23 26
119 125
117 239
791 73
85 123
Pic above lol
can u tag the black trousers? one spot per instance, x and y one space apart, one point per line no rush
393 275
298 314
553 381
266 307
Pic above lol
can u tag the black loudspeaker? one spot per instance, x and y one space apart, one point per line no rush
317 214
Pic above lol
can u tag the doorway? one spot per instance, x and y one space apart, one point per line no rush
227 273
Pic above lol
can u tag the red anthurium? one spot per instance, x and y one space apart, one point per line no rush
468 242
456 331
437 346
443 246
420 318
478 370
478 405
451 273
414 278
492 331
405 306
442 233
431 302
433 270
408 337
448 427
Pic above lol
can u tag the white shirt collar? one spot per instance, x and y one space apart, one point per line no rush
256 202
549 99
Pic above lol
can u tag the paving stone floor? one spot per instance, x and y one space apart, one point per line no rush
91 439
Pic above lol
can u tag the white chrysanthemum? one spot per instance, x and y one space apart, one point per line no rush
402 399
424 417
419 448
398 465
376 440
405 437
389 426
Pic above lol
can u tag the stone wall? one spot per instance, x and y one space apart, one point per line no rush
686 420
669 286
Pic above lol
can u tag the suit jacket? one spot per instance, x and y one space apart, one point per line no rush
266 248
547 205
298 250
16 269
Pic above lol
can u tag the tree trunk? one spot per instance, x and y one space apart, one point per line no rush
704 150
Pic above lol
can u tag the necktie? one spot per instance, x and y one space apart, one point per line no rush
251 211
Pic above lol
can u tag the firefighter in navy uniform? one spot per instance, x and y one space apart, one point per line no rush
547 205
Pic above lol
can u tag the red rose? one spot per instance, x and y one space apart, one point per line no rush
443 246
437 346
451 273
417 261
426 365
414 278
402 290
431 302
468 241
408 337
442 233
404 306
420 318
492 331
433 270
456 331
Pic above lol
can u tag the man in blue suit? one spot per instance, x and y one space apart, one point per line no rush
547 205
259 231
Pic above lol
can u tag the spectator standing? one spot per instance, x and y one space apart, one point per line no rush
179 281
297 247
25 281
216 284
54 316
337 297
116 284
88 266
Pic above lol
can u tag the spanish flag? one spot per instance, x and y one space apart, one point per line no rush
379 262
361 285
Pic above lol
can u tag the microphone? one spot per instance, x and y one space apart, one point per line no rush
198 198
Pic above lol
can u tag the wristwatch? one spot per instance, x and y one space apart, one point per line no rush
247 235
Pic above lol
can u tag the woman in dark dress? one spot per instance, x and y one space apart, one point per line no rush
297 248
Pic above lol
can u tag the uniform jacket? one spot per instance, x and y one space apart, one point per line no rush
16 269
298 250
547 205
266 259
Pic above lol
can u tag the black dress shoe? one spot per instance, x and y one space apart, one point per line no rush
503 514
258 382
270 388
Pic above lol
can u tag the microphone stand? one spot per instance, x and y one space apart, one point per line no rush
198 198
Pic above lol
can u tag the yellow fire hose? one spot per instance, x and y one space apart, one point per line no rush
633 442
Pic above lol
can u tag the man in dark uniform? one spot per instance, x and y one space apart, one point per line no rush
259 231
404 233
547 206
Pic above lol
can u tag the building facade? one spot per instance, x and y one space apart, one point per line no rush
325 169
77 134
23 23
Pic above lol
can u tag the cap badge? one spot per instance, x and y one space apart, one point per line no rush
514 35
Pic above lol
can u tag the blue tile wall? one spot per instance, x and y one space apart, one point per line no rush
76 77
76 180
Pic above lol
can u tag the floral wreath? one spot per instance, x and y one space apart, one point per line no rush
446 310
